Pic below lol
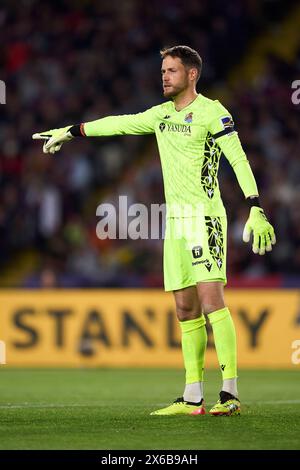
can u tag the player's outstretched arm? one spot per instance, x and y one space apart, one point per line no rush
129 124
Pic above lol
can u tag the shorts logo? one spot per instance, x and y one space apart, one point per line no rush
208 265
189 118
197 251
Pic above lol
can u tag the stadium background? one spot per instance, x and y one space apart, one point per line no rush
70 299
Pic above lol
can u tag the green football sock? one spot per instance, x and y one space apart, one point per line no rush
193 341
225 341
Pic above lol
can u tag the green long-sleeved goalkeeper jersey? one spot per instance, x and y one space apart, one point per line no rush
191 142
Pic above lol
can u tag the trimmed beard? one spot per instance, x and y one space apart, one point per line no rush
175 92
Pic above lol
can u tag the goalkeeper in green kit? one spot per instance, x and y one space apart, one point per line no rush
192 133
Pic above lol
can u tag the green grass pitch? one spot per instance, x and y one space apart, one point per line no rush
109 409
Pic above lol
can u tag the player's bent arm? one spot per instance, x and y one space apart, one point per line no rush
257 223
222 130
221 126
233 151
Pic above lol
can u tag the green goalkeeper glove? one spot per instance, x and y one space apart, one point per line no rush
54 138
263 232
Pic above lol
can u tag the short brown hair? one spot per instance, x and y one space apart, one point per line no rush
188 56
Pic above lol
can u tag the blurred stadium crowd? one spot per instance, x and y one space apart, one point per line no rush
68 62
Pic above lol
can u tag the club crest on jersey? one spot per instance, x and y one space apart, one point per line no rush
189 118
227 121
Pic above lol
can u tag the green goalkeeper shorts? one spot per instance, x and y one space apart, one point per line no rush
194 251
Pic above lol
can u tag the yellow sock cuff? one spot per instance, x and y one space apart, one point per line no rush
190 325
218 315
